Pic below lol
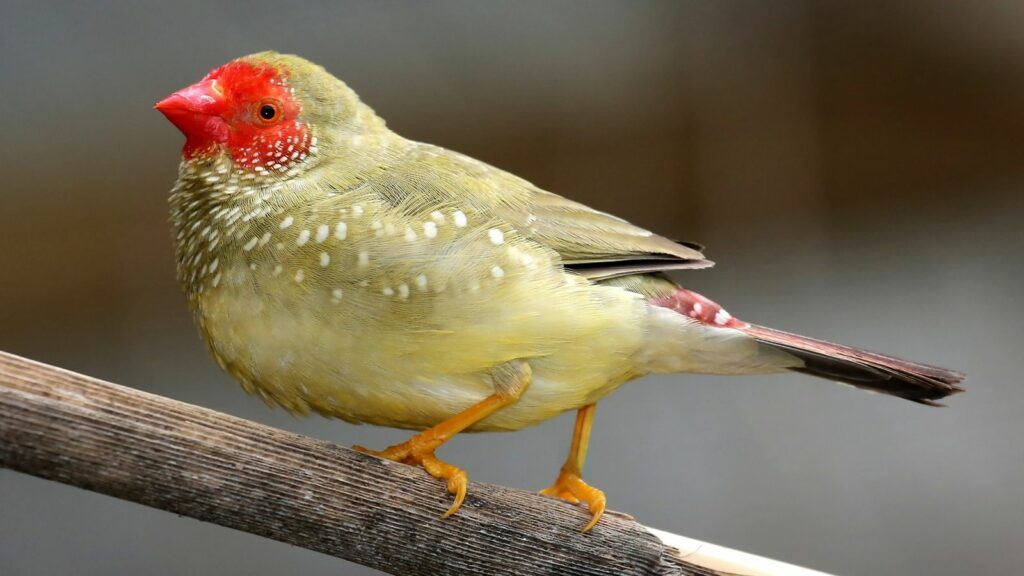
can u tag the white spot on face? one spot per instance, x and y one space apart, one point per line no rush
364 258
388 291
430 229
497 272
459 217
410 235
436 216
421 282
325 259
288 220
321 233
300 276
303 238
250 244
497 236
403 291
252 266
341 231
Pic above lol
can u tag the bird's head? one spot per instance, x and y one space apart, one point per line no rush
266 112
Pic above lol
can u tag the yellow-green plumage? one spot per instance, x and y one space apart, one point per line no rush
382 280
334 266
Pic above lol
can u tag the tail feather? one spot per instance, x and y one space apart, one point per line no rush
869 370
698 341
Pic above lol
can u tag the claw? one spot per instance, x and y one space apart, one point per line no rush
571 488
417 452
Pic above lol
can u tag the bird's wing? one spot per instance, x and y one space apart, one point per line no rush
592 243
598 245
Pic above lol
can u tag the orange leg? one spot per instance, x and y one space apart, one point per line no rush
419 450
570 485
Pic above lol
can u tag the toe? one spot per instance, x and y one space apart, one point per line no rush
595 504
557 491
571 488
455 477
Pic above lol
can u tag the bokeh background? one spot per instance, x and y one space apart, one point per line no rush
855 168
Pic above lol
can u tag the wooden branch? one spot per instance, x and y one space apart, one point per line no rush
217 468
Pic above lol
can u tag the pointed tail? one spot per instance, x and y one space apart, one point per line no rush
869 370
700 341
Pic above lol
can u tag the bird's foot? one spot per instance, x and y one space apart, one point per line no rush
570 487
419 451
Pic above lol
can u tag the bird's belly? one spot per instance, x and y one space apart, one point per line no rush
297 358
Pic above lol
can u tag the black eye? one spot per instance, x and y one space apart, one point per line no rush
268 111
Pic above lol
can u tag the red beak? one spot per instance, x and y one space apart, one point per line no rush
196 111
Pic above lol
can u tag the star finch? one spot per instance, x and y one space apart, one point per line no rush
334 266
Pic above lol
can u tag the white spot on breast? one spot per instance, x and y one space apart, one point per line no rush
300 276
288 220
421 282
321 233
430 229
364 258
216 280
303 238
250 244
436 216
213 265
497 272
264 239
497 236
410 235
388 291
278 269
459 217
336 295
403 291
341 231
357 210
325 259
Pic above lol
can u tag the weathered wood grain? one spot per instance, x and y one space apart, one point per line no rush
189 460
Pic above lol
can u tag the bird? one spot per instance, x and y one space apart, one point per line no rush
333 266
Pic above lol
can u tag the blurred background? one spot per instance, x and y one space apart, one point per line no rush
854 167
